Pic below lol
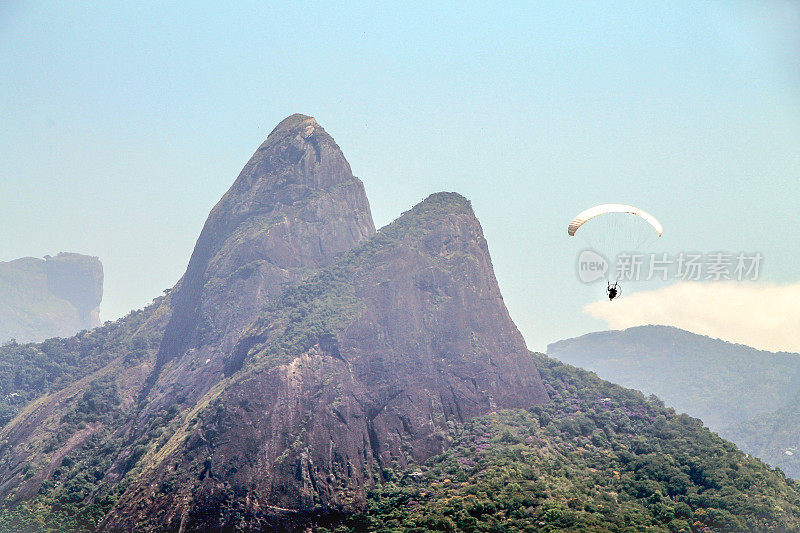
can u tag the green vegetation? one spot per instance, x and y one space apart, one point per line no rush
28 371
74 499
305 315
77 496
597 458
746 395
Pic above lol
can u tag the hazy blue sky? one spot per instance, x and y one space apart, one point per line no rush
122 125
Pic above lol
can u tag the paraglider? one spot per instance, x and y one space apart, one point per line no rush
615 228
604 209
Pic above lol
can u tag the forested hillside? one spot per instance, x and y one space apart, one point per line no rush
599 457
748 396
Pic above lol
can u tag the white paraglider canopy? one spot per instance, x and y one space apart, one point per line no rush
603 209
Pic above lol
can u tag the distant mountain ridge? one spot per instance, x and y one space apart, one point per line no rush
746 395
51 297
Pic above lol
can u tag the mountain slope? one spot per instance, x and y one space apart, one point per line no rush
364 367
597 458
242 382
50 297
294 208
746 395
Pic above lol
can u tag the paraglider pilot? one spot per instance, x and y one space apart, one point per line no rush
613 290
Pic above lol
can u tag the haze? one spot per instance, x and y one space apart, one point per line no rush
123 126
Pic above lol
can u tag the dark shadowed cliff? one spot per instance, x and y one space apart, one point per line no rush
52 297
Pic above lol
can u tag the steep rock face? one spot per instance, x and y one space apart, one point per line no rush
294 208
52 297
298 360
77 279
363 367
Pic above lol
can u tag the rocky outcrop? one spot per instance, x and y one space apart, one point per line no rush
362 369
294 208
51 297
299 359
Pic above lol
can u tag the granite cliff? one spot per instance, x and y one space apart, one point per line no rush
299 359
51 297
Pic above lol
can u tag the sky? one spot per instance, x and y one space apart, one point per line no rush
123 124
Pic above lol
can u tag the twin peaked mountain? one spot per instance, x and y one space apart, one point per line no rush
300 357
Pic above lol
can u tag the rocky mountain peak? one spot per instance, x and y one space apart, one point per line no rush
298 155
360 368
296 121
294 207
303 356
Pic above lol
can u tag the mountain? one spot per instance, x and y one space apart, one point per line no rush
294 208
749 396
299 356
304 365
359 369
51 297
